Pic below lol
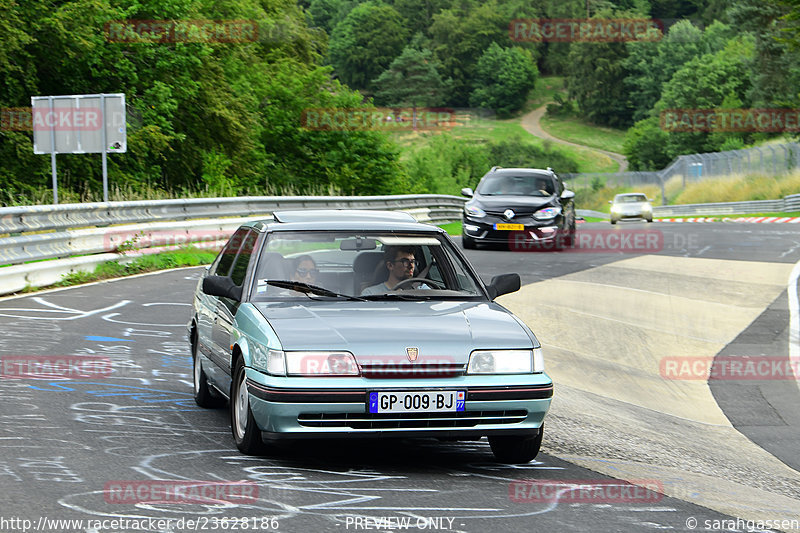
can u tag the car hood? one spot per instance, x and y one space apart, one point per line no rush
503 202
442 330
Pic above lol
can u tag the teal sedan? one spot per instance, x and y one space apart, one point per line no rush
328 324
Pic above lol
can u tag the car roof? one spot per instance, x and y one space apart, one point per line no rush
498 170
341 219
630 194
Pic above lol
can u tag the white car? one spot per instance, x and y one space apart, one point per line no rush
631 205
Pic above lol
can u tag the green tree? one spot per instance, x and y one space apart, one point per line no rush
364 44
503 79
411 80
594 79
459 35
707 82
646 145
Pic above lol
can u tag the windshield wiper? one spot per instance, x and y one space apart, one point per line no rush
397 295
307 289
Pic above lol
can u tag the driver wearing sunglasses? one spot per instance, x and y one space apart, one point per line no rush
306 270
401 264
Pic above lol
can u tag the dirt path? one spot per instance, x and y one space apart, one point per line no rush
531 123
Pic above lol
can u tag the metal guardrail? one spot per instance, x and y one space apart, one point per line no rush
22 219
729 208
171 222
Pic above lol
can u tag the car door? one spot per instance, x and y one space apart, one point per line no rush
226 311
207 304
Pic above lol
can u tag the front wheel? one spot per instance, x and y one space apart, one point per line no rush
516 449
467 242
245 430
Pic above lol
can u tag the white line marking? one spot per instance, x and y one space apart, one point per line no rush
794 317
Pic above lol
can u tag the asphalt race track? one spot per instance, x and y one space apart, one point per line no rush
628 445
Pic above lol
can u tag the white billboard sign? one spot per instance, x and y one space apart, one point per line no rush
79 124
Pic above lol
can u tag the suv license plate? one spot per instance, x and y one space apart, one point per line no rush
416 402
509 227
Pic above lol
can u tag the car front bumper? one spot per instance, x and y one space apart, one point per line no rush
484 230
515 408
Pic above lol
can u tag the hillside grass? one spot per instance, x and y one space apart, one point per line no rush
738 188
574 130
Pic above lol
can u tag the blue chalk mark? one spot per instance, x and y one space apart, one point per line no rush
106 339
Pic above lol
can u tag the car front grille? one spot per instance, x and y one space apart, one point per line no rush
409 371
464 419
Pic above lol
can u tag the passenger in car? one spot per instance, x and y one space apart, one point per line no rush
305 270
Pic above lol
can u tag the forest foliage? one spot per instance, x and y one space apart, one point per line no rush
209 117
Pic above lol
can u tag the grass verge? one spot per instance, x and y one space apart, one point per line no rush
575 130
185 257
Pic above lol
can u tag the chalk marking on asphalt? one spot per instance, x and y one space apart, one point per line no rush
794 317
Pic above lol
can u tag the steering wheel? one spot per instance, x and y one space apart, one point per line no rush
405 284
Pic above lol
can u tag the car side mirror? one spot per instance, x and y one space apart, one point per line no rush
567 195
503 284
468 192
222 286
610 202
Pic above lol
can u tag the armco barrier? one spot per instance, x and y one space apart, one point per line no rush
435 207
60 232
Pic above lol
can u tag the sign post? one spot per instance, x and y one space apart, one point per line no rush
79 124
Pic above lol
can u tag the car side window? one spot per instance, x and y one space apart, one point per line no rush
243 259
222 264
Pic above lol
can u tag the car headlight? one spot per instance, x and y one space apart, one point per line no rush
506 361
615 209
547 213
269 360
474 211
647 207
321 364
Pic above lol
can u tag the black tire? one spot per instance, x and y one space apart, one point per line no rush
467 242
650 219
516 449
245 431
613 221
203 396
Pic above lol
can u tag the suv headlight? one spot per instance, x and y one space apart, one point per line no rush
506 362
321 364
647 207
547 213
474 211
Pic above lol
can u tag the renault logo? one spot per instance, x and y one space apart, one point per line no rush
412 354
509 214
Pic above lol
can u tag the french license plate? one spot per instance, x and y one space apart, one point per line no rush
416 402
509 227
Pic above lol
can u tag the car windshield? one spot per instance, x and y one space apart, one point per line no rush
630 199
345 264
521 185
